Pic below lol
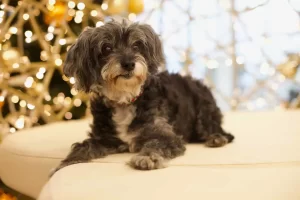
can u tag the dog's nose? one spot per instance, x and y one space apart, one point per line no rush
128 65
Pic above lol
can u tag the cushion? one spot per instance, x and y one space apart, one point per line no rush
265 157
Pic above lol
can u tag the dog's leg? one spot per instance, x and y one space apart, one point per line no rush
209 128
156 144
87 150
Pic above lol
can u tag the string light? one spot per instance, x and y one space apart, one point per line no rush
74 91
71 4
25 16
20 122
77 102
51 29
13 30
16 65
104 6
28 34
49 36
30 106
28 40
80 6
12 130
94 13
68 115
62 41
71 12
15 99
132 16
72 80
23 103
58 62
1 13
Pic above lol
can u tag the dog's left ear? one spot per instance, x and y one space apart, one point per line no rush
154 46
79 61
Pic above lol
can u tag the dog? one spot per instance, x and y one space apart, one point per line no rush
136 109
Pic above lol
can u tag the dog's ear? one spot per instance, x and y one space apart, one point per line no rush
79 61
154 46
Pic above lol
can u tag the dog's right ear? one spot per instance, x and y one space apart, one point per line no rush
79 61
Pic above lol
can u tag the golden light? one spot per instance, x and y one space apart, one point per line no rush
20 122
40 75
104 6
13 30
42 70
71 12
67 101
28 40
80 6
28 82
72 80
58 62
68 115
12 130
25 16
79 13
74 91
52 2
78 20
23 103
16 65
1 13
30 106
49 36
132 16
94 13
2 98
28 34
62 41
77 102
51 29
71 4
15 99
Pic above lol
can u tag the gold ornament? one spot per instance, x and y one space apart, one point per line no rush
57 13
289 68
135 6
116 7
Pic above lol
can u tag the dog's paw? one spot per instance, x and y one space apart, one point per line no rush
147 162
216 140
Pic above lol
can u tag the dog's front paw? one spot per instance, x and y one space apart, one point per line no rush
216 140
147 162
62 165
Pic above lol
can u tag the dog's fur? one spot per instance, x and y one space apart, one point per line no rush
135 109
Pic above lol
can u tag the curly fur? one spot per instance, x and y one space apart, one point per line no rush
170 111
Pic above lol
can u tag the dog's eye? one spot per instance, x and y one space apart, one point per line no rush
135 47
106 49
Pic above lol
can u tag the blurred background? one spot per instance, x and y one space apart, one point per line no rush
247 51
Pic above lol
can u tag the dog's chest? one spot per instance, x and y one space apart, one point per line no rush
122 117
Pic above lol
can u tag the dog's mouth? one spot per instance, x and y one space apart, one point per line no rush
126 75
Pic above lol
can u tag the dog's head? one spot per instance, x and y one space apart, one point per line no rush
116 57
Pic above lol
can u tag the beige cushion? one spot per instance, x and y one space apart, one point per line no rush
262 163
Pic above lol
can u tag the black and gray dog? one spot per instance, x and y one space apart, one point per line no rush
135 109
